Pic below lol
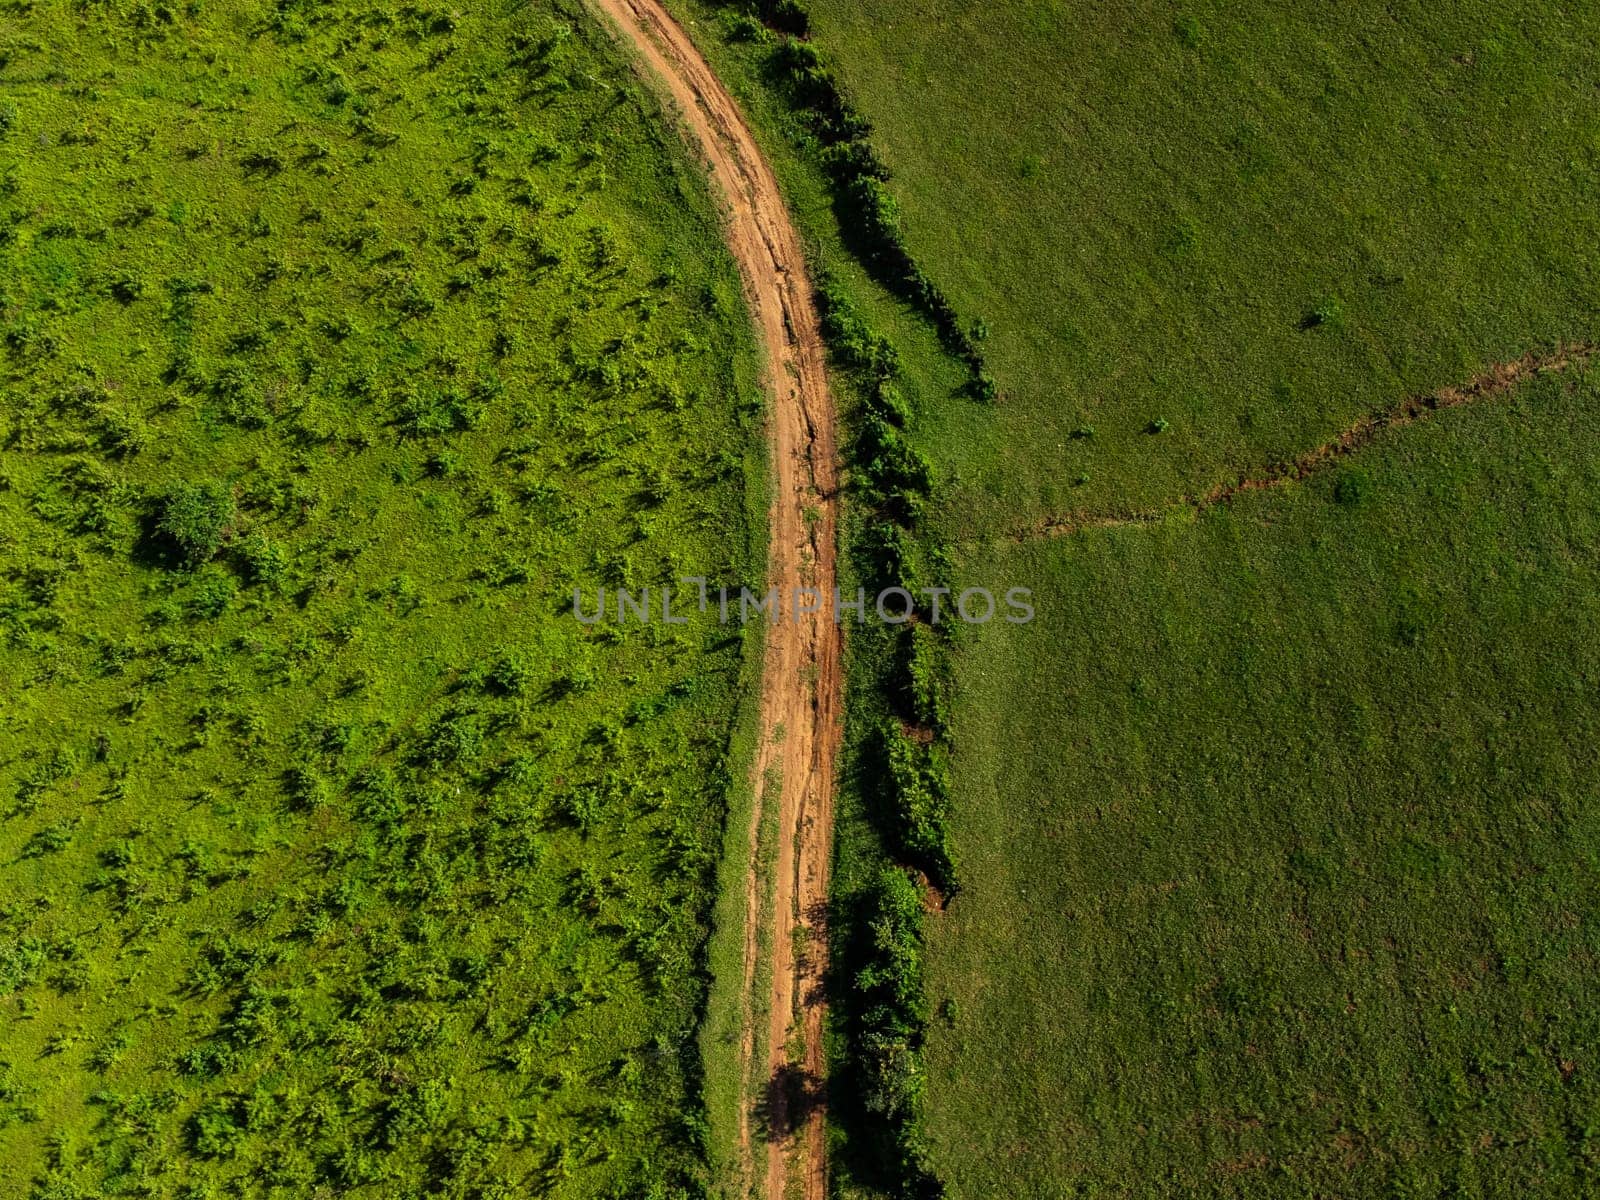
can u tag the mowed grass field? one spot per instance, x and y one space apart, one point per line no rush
1281 839
1277 829
336 857
1251 223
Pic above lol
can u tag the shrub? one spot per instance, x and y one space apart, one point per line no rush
853 344
508 675
263 560
123 433
215 1131
1327 312
263 162
786 16
433 411
892 977
456 738
919 786
197 518
746 29
238 393
211 596
927 682
126 288
890 557
306 786
888 1034
446 464
892 471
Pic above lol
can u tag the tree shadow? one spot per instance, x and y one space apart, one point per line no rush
792 1095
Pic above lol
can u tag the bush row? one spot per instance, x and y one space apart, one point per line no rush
919 781
868 215
892 548
886 1012
891 1015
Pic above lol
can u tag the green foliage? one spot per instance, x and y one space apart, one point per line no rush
344 861
509 675
919 790
927 678
196 518
891 1010
905 670
262 560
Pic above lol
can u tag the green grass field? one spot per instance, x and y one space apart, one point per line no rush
1151 203
1278 867
336 858
1281 843
337 346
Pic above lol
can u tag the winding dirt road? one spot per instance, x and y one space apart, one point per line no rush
801 682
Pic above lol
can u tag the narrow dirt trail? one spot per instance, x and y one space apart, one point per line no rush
1495 380
801 680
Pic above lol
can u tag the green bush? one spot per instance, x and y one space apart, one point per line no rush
889 557
919 786
508 675
891 1001
927 679
196 519
263 560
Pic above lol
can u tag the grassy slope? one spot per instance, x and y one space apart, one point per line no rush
1144 201
1283 880
219 958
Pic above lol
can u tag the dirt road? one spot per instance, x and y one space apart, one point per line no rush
781 1123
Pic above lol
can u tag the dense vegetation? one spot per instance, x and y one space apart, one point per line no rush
336 857
900 679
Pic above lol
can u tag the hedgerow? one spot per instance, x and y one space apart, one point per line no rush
919 783
869 216
888 1017
908 764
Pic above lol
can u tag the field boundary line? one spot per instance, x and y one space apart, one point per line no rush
1494 381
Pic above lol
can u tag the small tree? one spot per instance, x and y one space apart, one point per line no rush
196 517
